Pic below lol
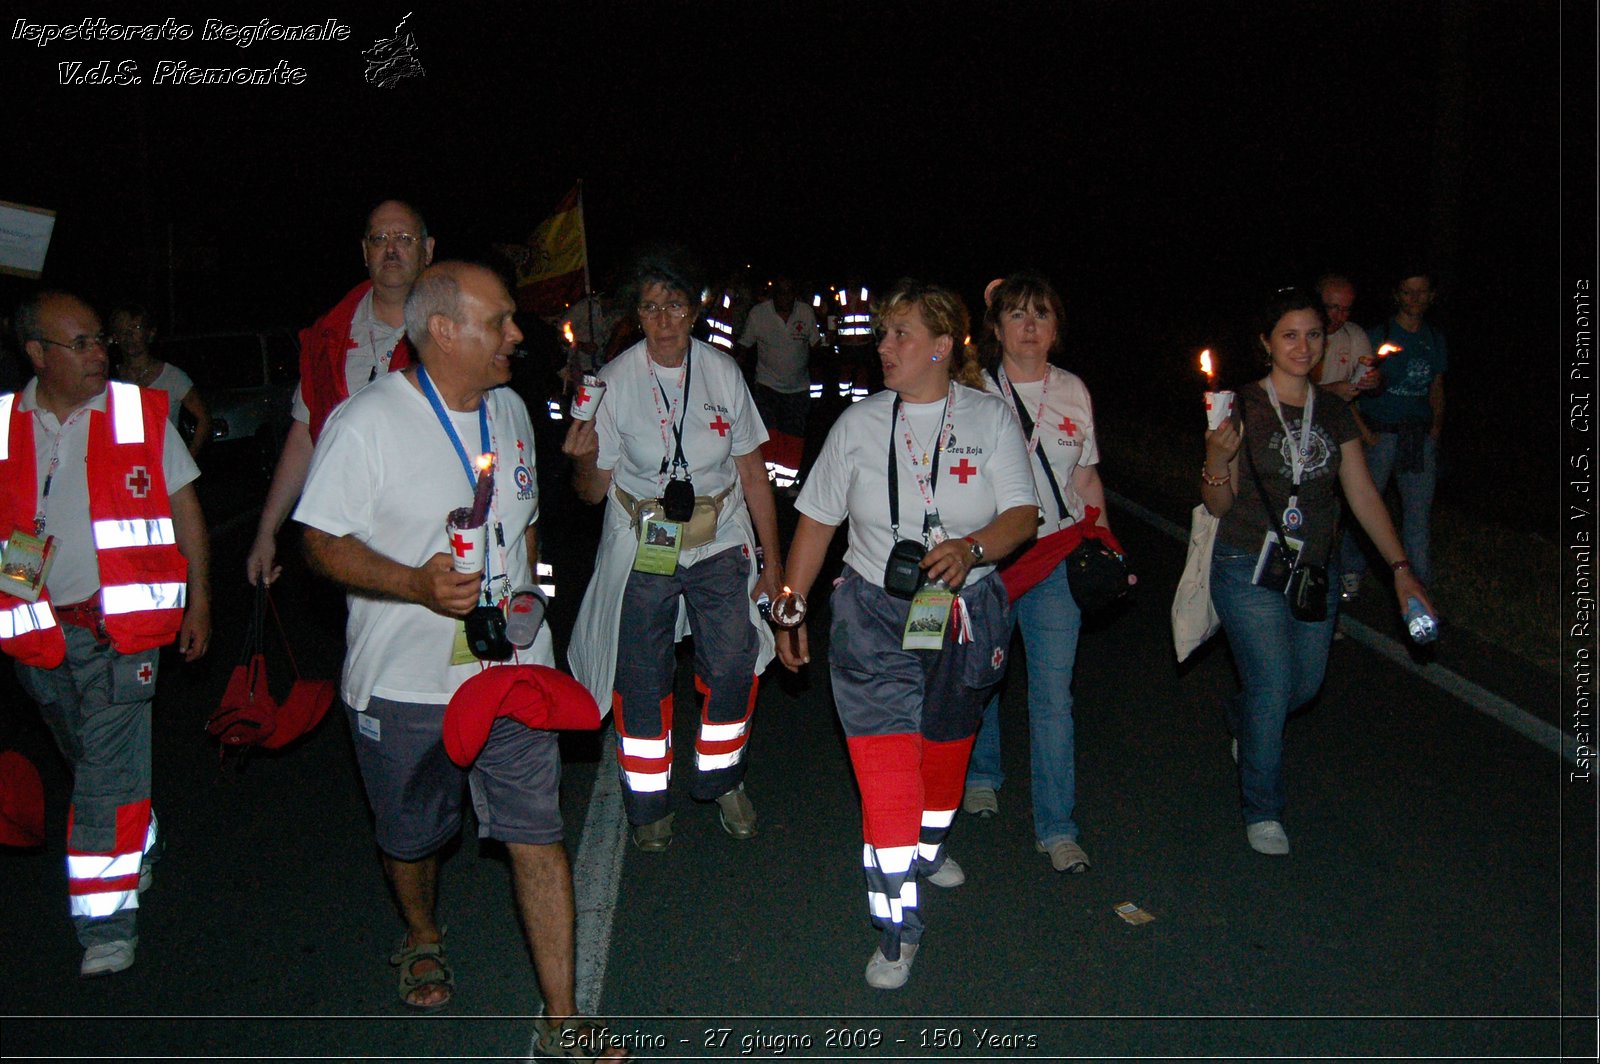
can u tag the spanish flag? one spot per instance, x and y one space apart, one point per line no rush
552 273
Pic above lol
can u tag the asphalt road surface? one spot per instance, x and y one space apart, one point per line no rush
1439 900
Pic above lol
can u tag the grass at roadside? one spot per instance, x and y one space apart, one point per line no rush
1500 583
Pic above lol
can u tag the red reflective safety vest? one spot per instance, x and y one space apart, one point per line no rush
323 347
143 574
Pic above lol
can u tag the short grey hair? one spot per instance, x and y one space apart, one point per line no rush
26 322
437 291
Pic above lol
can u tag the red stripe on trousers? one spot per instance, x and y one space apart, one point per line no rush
890 777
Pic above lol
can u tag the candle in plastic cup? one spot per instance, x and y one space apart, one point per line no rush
587 398
1219 407
467 543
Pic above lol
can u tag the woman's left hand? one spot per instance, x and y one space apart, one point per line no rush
950 561
770 581
1407 585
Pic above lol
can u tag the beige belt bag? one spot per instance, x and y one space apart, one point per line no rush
701 527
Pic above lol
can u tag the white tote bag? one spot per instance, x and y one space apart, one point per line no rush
1194 619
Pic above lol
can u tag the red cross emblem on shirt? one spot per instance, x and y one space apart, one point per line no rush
964 470
720 425
1067 426
138 482
145 673
460 544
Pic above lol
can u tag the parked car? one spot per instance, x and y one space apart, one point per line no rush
247 380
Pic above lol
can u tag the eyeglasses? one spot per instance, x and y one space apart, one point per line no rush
378 240
675 311
80 344
1340 307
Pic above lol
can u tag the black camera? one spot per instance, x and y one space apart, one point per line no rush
903 577
677 500
486 634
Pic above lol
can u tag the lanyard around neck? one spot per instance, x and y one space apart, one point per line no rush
450 429
1302 449
673 416
928 486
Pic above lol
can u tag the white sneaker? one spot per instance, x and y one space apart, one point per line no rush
981 801
884 974
1268 837
948 875
111 957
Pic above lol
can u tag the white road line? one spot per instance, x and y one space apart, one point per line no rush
596 874
1479 698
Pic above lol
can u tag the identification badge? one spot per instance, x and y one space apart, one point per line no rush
660 542
1293 518
1276 561
26 565
460 652
928 619
933 532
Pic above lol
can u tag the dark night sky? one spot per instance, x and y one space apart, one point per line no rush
1165 162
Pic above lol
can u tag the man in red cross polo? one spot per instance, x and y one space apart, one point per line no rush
98 472
348 348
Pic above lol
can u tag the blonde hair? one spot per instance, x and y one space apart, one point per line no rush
945 314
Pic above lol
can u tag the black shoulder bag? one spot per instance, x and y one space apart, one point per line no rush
1307 590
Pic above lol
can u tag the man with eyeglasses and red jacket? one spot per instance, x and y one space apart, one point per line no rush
95 469
349 347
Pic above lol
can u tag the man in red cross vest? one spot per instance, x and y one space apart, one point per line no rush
348 348
97 470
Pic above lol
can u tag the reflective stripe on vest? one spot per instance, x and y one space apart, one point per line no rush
7 401
127 413
26 617
119 599
133 533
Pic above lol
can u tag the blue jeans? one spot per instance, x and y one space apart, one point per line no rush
1416 506
1049 618
1281 662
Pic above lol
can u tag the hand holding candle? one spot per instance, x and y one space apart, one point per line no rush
1219 405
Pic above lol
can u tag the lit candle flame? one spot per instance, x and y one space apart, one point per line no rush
484 462
1389 349
566 330
1207 367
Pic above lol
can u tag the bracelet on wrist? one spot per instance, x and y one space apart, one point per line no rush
1400 566
1211 481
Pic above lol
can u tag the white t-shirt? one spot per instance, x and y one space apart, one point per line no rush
176 383
385 472
367 360
1065 434
982 472
75 575
719 421
1341 357
783 348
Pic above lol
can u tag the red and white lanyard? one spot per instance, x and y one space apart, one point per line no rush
55 463
1301 449
670 457
927 485
1038 415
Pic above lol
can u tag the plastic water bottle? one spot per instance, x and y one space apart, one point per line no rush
1422 625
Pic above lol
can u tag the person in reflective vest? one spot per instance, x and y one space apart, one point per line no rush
359 340
96 472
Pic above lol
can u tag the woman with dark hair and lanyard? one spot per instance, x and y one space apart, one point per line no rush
674 451
1021 331
1299 454
932 476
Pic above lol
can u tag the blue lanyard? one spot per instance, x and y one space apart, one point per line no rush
461 450
450 429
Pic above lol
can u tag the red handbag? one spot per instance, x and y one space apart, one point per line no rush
247 715
308 700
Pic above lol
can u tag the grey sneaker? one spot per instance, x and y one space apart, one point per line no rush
108 958
1268 837
655 836
884 974
948 875
981 801
1349 587
737 813
1065 856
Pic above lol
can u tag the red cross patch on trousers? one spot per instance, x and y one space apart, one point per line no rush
999 656
146 674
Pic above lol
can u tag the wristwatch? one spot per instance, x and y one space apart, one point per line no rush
975 548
